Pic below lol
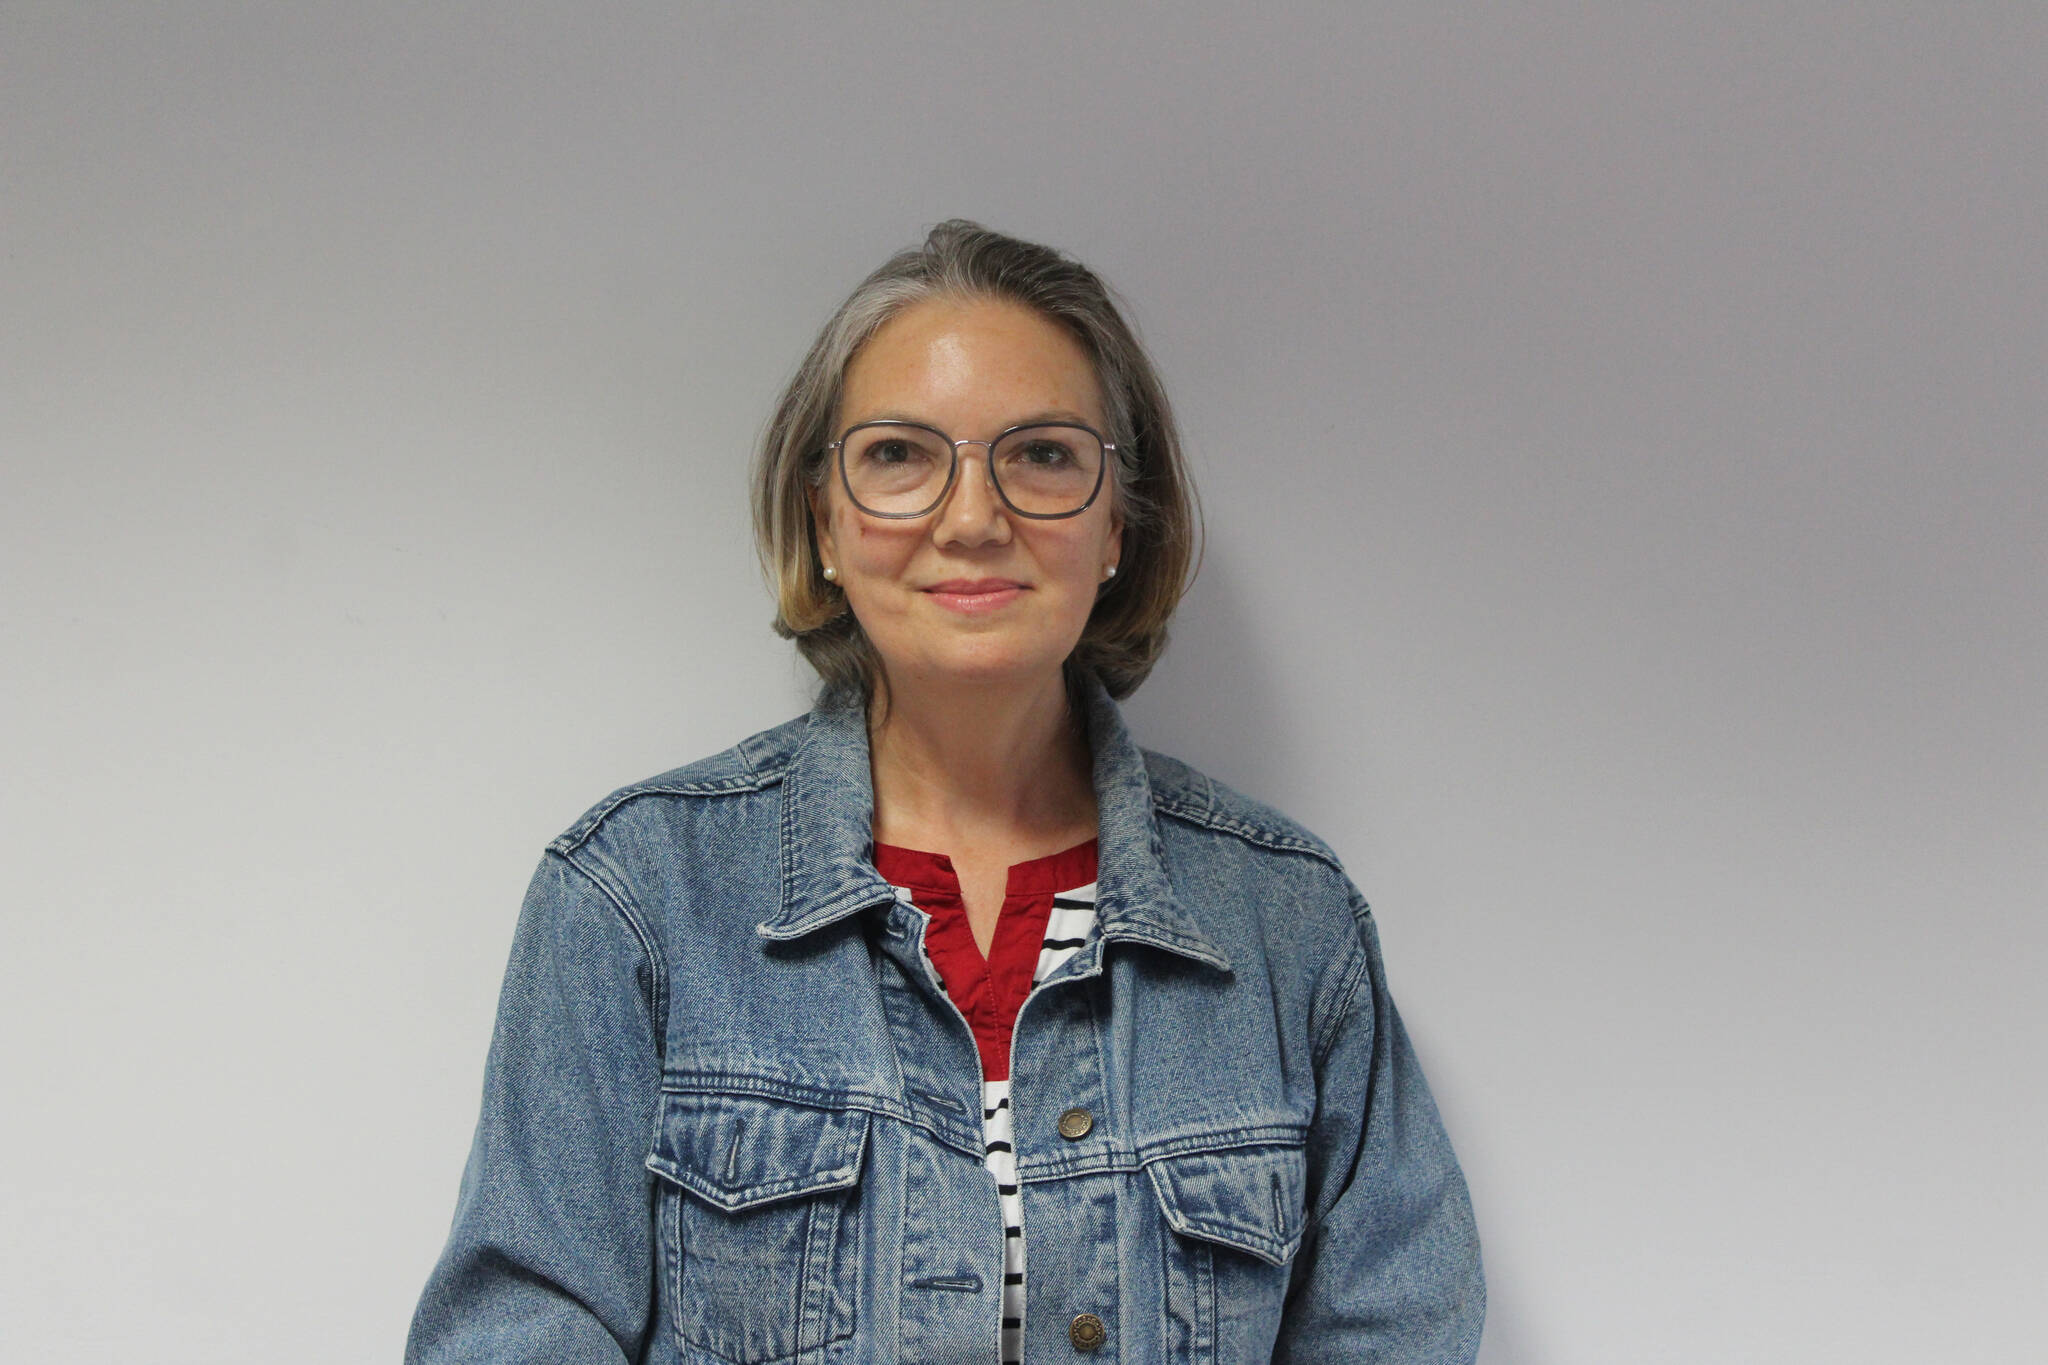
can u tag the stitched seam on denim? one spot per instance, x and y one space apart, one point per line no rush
830 913
1347 990
853 1252
1206 1291
776 754
1174 790
1122 1160
803 1275
579 833
690 1178
657 969
1150 936
1102 1067
1227 1231
1231 1235
678 1251
1226 1140
774 1087
1183 1140
965 1284
1282 843
785 845
879 1105
1357 972
1102 1062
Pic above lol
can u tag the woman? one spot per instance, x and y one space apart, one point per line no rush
944 1023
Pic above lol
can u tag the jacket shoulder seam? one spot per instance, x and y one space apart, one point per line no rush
1190 795
1208 817
595 818
1357 974
628 911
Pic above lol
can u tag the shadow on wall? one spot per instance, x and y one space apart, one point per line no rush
1212 703
1209 701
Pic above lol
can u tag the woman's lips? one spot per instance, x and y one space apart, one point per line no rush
976 598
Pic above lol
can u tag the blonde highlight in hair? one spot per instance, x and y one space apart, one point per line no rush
1149 484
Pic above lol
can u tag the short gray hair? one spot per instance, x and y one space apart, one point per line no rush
1150 488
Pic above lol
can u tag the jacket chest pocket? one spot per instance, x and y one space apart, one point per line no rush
1234 1219
760 1222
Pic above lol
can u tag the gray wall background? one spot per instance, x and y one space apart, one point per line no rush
1621 433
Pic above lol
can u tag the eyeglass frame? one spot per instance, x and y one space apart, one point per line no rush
838 448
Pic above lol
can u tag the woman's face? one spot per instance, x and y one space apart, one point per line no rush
969 593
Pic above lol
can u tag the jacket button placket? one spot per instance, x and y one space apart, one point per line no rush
946 1298
1073 1264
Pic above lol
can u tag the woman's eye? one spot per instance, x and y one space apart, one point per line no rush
1046 454
892 452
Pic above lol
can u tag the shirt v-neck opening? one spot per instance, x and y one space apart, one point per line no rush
989 988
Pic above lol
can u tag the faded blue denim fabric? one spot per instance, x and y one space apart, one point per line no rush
729 1114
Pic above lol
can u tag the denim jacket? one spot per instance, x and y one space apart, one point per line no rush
730 1115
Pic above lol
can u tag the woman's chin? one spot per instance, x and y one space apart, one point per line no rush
984 670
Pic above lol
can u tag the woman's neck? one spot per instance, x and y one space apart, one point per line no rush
989 767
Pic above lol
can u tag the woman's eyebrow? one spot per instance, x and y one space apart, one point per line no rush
902 417
1055 415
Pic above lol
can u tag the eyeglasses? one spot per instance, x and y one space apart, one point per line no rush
905 469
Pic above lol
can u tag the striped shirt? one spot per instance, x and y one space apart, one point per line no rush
1047 915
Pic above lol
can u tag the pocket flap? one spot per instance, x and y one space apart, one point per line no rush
741 1151
1249 1198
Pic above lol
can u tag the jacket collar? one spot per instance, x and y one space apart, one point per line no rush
828 812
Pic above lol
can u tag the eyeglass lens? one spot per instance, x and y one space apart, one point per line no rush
903 470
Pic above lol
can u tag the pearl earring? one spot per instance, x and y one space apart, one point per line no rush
1109 572
831 574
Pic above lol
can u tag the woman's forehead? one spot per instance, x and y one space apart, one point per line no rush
975 359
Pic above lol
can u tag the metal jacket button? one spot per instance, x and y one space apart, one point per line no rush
1075 1125
1087 1332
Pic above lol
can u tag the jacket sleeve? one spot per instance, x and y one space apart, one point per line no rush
1389 1270
551 1254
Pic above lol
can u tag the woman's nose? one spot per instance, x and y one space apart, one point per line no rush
973 510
